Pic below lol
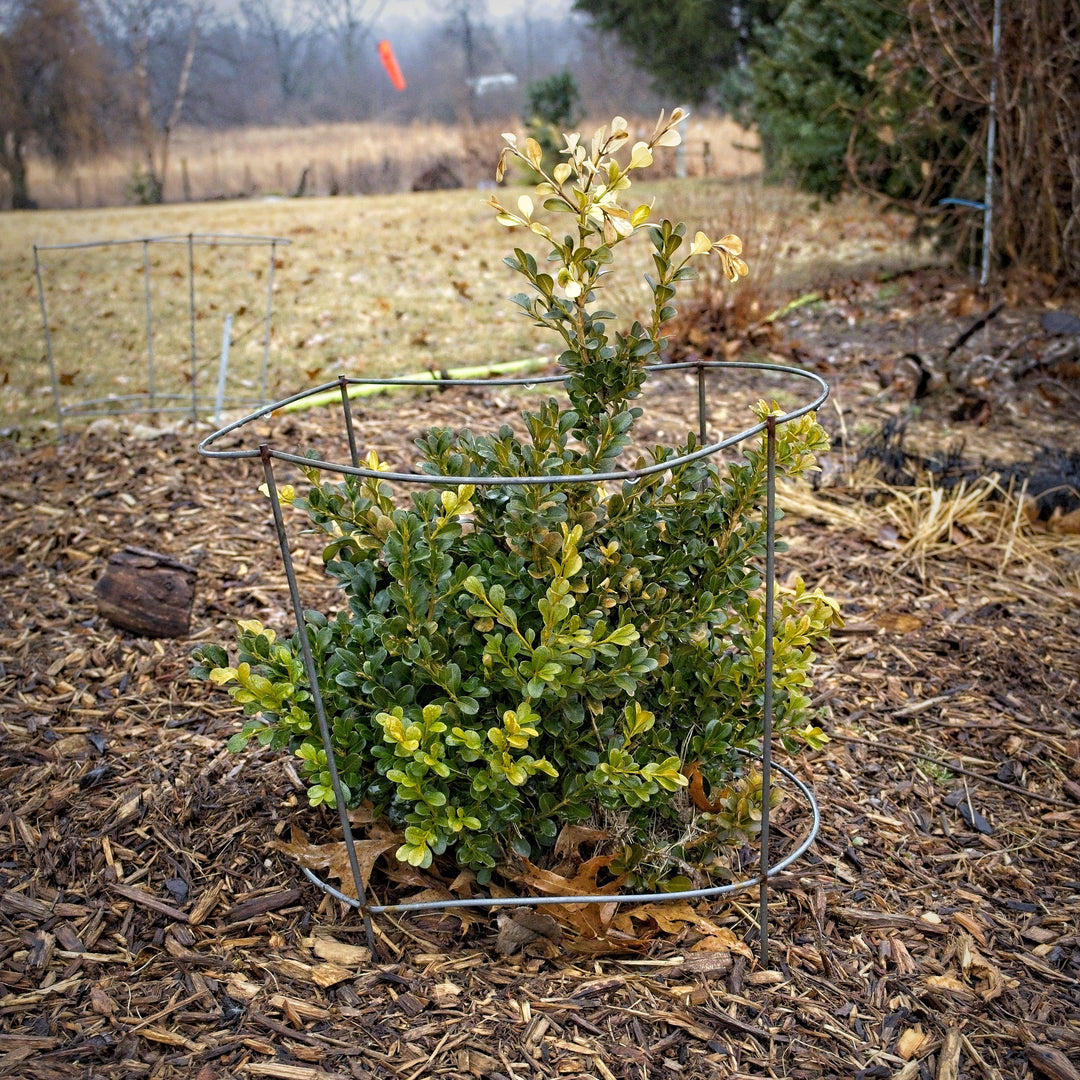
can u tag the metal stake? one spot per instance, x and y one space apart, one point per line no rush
701 409
346 406
266 339
223 368
313 683
149 327
48 346
766 721
991 136
191 319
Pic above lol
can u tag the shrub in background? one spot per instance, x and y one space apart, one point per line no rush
809 79
512 659
552 108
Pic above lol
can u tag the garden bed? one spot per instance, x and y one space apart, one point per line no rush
149 926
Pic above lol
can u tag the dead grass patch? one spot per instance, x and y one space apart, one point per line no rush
980 520
349 159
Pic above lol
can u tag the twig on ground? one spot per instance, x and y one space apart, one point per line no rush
982 778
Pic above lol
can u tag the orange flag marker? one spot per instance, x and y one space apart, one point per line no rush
389 61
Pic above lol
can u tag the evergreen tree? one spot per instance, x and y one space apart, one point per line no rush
687 46
811 74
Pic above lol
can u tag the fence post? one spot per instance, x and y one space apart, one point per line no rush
48 346
149 327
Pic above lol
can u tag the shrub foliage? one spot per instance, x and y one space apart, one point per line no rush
511 658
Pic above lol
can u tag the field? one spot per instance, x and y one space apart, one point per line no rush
373 285
344 159
154 919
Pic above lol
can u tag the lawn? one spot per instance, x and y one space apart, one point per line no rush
371 285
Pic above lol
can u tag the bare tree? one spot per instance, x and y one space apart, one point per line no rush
141 27
350 23
52 82
466 27
285 28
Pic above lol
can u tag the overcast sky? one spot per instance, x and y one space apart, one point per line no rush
420 10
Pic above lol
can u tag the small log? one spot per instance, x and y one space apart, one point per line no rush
147 593
1052 1063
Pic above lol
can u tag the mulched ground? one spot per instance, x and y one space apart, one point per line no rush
148 927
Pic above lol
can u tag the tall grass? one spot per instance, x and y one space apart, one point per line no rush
343 159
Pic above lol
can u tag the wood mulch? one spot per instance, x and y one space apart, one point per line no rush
149 927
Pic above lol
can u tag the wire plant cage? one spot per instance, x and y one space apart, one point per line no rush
245 439
178 339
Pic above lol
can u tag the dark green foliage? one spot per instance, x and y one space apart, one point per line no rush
811 74
685 45
555 100
553 105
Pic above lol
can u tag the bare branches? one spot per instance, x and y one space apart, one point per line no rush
1036 163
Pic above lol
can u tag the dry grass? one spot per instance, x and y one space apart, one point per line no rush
920 526
375 285
347 159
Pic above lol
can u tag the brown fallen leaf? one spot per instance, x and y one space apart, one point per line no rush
586 920
524 926
723 942
696 790
675 917
334 857
571 837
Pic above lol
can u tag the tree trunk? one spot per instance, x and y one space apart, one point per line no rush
13 162
151 191
178 101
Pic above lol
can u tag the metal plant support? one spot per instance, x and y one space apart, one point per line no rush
152 400
268 454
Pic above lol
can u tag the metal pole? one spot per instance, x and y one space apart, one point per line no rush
991 138
149 326
766 721
48 346
266 339
701 410
191 321
223 369
354 455
313 683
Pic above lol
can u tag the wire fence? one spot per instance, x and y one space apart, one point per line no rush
182 323
234 442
